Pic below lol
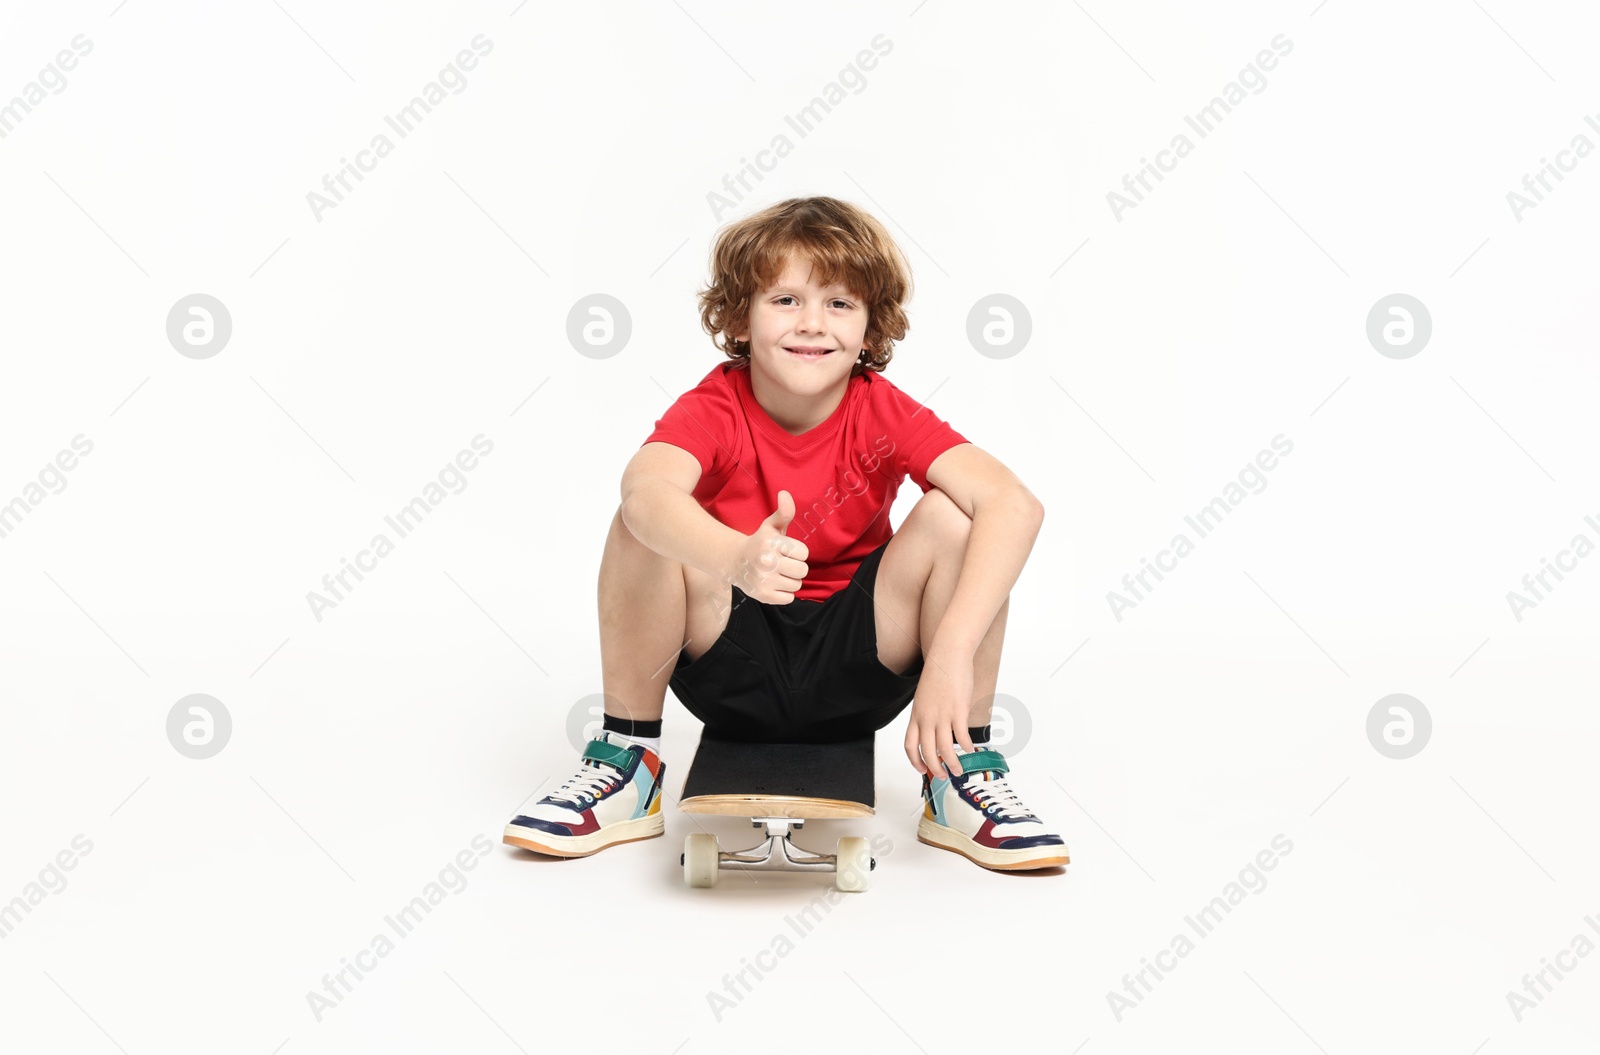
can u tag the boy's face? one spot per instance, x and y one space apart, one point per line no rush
794 314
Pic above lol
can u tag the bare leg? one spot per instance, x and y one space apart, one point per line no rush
645 621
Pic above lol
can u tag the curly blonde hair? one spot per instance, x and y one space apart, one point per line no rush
842 243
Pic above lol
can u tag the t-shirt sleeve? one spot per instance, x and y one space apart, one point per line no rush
920 435
701 422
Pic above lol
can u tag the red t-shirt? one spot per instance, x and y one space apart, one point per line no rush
843 474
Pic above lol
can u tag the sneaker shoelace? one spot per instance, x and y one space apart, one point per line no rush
588 781
992 789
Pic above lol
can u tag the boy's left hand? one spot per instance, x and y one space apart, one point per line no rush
939 715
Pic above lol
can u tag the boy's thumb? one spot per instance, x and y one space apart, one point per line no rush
785 511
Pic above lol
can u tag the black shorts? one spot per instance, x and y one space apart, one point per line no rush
802 672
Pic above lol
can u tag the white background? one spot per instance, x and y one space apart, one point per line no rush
1167 348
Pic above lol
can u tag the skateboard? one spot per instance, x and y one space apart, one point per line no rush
779 787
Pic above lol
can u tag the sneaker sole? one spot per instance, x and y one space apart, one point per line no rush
647 827
996 860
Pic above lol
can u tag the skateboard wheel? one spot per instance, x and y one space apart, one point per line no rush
700 860
853 863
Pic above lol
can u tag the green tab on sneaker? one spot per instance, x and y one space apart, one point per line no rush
609 753
977 761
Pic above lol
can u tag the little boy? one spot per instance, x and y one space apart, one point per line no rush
752 566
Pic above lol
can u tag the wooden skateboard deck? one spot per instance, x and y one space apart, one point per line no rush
737 778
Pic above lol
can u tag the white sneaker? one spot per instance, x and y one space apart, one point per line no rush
615 797
978 814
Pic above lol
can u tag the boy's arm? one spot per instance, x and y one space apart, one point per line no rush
659 507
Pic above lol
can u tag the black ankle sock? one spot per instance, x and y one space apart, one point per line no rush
629 727
979 735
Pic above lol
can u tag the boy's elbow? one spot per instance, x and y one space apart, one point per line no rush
1017 502
1031 504
633 494
629 509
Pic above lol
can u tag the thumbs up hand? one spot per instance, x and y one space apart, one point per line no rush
770 565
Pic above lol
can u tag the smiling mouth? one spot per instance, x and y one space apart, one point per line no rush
809 353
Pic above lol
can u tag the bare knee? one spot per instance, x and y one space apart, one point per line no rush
628 565
941 517
625 544
621 532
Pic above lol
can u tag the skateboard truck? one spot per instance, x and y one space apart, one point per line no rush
779 830
702 857
779 786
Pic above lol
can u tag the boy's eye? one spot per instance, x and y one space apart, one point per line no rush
837 300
